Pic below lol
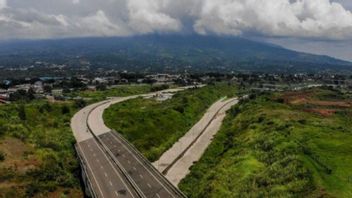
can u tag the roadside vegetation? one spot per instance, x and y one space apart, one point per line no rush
293 144
120 90
37 158
154 126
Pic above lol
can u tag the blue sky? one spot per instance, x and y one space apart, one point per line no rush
316 26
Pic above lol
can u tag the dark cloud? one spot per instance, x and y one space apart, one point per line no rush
310 19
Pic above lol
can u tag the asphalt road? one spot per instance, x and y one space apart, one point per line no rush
105 177
114 170
147 180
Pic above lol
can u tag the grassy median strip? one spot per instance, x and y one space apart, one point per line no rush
293 144
154 126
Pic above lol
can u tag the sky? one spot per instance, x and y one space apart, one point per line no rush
315 26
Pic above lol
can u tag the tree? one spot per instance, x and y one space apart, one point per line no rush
22 112
65 109
80 103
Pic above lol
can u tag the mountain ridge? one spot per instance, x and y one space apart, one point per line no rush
155 52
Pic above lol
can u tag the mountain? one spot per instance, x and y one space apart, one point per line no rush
169 52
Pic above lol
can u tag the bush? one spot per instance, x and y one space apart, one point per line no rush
80 103
2 156
65 110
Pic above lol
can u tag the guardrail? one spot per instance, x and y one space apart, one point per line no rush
104 147
86 179
148 164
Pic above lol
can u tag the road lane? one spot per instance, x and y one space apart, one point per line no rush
104 175
147 180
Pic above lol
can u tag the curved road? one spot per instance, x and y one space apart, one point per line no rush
114 167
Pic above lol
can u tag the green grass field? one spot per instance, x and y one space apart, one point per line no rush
279 145
154 126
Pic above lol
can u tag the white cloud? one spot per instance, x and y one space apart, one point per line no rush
145 16
75 1
323 19
302 18
3 4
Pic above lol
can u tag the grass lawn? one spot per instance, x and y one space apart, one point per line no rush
154 126
279 145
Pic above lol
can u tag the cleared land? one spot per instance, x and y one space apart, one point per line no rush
274 147
154 126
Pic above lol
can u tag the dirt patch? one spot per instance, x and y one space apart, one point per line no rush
322 112
18 155
303 98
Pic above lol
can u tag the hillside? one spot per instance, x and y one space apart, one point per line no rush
169 53
294 144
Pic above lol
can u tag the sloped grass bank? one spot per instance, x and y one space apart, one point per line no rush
154 126
39 158
269 148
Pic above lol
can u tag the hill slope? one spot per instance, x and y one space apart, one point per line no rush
292 144
175 52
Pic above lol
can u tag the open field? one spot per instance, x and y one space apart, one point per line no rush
154 126
274 147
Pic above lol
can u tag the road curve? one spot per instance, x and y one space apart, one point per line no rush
114 167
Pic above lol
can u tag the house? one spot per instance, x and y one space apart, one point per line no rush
57 92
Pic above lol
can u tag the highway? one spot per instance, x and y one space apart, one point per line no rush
113 166
176 161
105 177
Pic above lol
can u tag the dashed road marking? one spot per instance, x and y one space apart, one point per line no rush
157 195
110 183
106 175
116 193
149 185
141 176
134 168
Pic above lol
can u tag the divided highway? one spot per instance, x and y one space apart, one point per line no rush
113 167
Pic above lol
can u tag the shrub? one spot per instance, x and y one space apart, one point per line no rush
2 156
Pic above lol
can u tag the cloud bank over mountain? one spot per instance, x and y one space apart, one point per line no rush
318 19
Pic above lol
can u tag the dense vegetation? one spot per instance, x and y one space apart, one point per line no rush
162 53
37 157
153 126
121 90
37 147
295 144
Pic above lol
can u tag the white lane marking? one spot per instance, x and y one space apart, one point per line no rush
134 168
149 185
88 165
110 183
116 193
142 164
106 175
141 176
157 195
113 167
